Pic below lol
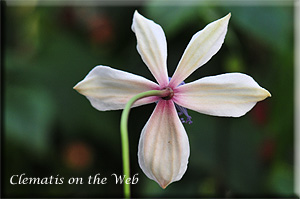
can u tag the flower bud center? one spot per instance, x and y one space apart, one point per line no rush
170 93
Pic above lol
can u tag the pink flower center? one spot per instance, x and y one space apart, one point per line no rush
180 110
170 93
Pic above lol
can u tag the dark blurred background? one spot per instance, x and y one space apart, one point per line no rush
50 129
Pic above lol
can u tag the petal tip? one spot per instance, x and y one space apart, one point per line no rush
227 17
136 15
268 94
164 185
80 87
265 93
77 87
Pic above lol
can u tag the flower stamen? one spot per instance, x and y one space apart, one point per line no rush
181 112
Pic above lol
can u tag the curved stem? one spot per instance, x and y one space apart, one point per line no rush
124 132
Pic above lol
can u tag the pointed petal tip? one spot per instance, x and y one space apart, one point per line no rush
77 87
137 14
164 186
265 93
163 183
227 17
268 94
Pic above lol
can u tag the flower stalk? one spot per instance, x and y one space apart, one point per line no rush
124 132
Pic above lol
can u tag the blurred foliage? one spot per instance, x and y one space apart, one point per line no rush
49 129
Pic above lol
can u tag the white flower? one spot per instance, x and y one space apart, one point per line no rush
164 147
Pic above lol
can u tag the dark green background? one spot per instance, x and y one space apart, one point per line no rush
50 129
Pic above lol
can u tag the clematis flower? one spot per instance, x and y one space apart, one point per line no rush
163 146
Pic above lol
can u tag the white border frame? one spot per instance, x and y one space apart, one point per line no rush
297 100
296 4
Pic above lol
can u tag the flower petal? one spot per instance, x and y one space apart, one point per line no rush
231 94
164 146
152 46
203 45
111 89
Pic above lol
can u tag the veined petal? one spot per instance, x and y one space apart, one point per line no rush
111 89
203 45
152 46
231 94
164 147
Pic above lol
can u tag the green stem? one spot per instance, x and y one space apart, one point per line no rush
124 132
